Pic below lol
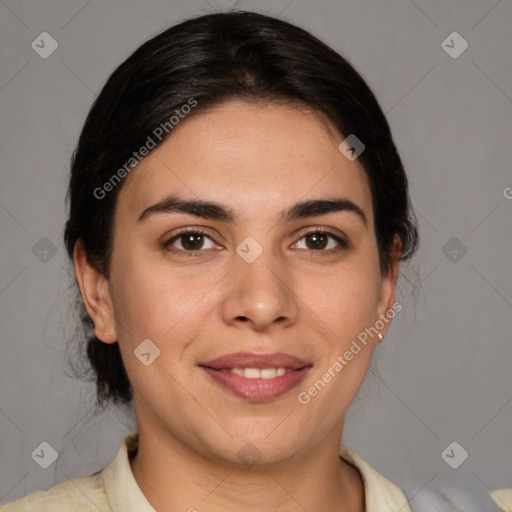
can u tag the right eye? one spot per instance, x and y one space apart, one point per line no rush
191 241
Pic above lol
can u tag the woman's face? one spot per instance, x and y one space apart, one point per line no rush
258 283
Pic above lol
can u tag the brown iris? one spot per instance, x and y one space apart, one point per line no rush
319 240
192 241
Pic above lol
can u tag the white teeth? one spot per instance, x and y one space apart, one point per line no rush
251 373
256 373
268 373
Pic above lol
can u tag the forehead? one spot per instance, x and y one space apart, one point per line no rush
253 157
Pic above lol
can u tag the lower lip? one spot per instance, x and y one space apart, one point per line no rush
259 390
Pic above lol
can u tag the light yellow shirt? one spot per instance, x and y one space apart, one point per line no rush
114 489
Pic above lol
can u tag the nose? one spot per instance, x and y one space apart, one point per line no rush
260 295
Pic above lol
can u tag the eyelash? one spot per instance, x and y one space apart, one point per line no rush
195 253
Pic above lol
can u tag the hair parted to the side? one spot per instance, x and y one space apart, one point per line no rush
214 58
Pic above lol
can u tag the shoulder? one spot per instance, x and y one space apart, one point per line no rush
503 498
75 495
113 486
381 495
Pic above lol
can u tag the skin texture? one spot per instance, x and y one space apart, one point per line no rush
310 302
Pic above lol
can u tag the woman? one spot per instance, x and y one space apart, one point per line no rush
238 212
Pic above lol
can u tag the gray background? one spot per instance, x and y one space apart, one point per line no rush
443 373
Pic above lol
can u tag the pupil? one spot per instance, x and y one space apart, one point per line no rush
316 236
189 240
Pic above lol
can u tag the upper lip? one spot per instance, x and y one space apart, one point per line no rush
248 360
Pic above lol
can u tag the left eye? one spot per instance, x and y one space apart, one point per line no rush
318 240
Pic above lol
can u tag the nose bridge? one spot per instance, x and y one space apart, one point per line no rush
260 291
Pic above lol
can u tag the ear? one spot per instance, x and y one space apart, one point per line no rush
388 284
95 291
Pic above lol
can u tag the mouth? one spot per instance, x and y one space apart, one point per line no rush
257 377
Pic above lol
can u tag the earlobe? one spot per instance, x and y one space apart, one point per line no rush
95 291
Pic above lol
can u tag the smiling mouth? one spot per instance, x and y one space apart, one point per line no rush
257 377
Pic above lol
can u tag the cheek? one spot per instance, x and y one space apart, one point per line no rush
152 301
345 306
346 301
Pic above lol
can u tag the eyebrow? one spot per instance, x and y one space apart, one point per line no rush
216 211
